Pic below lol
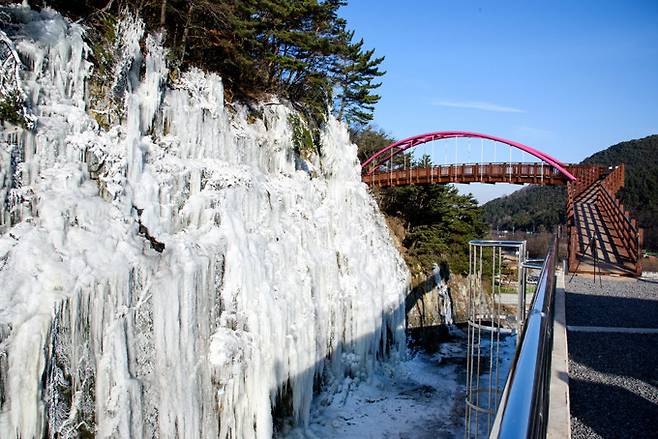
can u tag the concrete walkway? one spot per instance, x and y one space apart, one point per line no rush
612 331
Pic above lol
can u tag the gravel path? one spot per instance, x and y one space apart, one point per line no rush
620 302
613 377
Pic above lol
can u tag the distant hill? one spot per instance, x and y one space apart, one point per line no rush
539 207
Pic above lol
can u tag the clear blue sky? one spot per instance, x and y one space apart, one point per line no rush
567 77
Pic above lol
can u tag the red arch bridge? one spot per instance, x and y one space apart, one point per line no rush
600 231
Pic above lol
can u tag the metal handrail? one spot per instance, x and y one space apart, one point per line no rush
523 409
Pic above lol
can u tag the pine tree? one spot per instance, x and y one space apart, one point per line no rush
299 49
354 77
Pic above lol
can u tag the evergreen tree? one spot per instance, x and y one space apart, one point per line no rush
439 224
354 75
298 49
369 140
424 162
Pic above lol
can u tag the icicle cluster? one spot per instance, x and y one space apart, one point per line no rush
199 277
444 294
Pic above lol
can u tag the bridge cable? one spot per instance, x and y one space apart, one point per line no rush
456 161
423 161
510 164
390 171
481 156
469 156
432 164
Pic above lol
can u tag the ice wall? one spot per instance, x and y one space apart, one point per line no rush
203 274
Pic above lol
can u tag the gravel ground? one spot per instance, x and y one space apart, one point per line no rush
613 385
613 377
620 302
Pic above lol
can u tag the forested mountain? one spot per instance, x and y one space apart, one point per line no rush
537 207
533 208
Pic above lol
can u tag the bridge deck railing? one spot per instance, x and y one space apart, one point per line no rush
606 183
587 176
628 232
572 226
520 172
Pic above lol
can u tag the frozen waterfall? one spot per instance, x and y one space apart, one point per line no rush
267 279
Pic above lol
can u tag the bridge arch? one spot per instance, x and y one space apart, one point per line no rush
402 145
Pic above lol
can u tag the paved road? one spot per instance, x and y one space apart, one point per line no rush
513 299
613 357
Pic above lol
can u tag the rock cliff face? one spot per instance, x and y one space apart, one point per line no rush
429 303
183 270
433 306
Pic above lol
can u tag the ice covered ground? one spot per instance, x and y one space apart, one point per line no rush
421 397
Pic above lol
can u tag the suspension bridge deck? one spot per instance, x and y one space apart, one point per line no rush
514 173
